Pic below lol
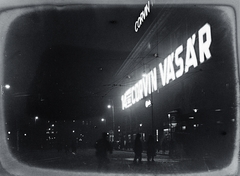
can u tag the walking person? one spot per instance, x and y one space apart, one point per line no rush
151 150
102 147
137 148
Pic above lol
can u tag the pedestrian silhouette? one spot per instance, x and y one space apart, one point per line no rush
137 148
164 144
102 147
151 151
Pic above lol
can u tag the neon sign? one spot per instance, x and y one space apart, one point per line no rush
143 15
148 103
173 66
144 87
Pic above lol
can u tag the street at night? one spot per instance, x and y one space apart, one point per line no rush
129 80
120 162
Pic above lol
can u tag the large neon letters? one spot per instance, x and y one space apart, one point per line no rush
142 17
175 59
172 67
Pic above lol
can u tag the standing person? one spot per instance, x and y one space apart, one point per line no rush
102 147
151 151
137 148
164 144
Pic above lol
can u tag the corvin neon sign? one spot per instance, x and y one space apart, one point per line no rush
173 66
143 15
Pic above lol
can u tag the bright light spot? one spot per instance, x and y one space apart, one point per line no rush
102 119
148 103
7 86
73 131
36 118
140 124
9 132
25 134
195 110
165 130
184 127
119 130
157 135
169 115
191 117
109 106
52 125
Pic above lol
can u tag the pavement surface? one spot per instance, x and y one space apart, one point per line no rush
120 161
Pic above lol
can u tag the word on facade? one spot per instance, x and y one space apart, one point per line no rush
172 67
143 15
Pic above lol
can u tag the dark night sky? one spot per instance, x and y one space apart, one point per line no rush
61 63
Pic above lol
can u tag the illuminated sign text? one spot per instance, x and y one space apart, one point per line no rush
172 67
142 16
166 68
142 88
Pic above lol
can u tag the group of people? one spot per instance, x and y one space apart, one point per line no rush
138 149
103 146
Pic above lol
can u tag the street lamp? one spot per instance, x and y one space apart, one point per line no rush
36 118
6 86
111 106
140 126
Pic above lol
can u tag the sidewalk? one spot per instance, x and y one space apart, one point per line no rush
121 161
